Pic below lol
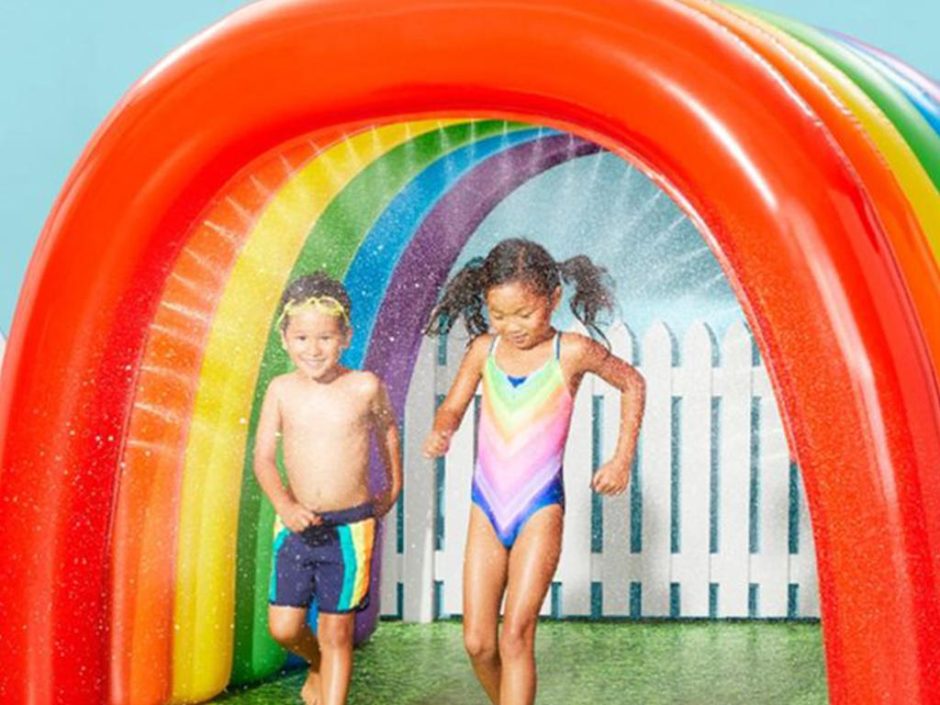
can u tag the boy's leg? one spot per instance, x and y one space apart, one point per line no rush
288 626
342 579
532 563
335 633
484 579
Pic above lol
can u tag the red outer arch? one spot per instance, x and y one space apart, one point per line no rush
654 81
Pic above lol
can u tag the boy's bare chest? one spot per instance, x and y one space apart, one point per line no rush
329 411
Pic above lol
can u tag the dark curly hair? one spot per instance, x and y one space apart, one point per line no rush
310 285
521 260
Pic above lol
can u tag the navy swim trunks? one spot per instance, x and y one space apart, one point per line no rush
328 563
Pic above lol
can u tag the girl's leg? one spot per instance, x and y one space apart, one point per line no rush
532 563
336 646
288 626
484 580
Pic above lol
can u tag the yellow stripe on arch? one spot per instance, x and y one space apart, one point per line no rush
211 485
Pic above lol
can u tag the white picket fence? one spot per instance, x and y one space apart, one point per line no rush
714 524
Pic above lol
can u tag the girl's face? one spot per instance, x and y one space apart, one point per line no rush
521 315
315 341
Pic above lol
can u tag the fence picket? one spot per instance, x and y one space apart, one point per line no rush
617 563
730 564
806 578
691 564
458 471
770 565
391 573
655 473
574 568
417 561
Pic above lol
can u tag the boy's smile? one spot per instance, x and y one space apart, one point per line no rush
315 341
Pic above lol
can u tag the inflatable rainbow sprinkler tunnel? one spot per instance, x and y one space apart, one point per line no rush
136 547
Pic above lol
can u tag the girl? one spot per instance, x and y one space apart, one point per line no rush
530 374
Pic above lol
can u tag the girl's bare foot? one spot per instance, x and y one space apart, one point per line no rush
311 690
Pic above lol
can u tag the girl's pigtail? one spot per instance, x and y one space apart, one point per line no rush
463 296
593 291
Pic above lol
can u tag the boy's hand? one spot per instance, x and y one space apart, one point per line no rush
297 517
437 443
611 479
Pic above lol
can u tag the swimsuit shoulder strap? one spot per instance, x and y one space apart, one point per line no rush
558 345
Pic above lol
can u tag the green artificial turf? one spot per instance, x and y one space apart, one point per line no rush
648 663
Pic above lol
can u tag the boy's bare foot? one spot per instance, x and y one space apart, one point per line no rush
311 690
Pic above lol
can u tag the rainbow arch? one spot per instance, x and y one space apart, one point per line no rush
138 428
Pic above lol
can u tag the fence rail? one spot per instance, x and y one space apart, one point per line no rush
714 523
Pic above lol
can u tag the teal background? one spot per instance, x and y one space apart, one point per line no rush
64 64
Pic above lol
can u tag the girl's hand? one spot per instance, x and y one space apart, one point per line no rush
437 443
611 479
297 517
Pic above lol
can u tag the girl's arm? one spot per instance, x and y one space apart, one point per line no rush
389 445
451 411
295 516
589 356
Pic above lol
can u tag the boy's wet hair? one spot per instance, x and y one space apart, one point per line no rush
525 261
313 286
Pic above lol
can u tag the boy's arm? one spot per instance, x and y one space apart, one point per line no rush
389 445
295 516
590 356
450 412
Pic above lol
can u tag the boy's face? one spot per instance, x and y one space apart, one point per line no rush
315 341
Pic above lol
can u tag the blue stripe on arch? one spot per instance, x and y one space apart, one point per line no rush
374 264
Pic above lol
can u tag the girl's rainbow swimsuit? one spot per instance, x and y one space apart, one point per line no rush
523 428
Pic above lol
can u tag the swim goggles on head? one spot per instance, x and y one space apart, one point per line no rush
323 304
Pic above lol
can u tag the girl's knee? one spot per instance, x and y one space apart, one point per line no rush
517 638
480 645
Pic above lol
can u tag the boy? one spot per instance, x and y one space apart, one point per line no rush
325 415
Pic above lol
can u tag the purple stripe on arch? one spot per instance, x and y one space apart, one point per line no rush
424 266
